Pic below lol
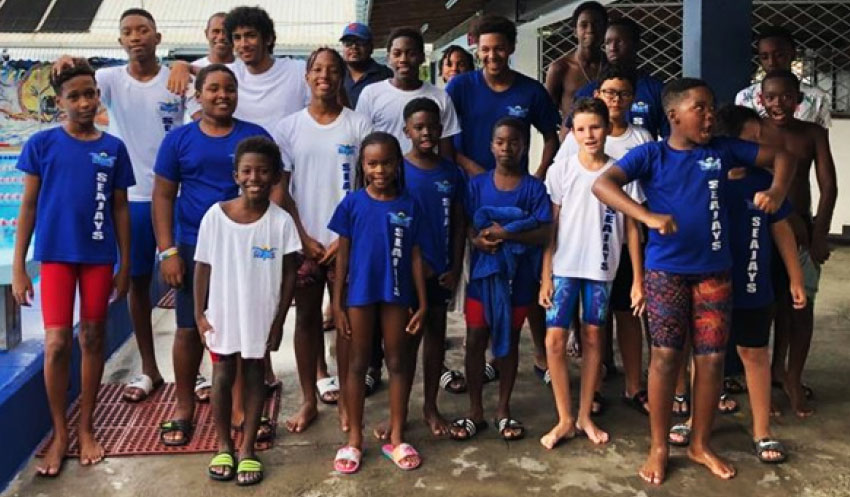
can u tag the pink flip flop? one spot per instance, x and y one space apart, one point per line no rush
397 455
347 454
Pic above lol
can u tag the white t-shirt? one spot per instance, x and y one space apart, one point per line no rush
384 104
246 271
321 158
615 146
816 106
267 98
140 113
590 234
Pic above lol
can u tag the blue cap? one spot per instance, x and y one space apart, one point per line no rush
357 30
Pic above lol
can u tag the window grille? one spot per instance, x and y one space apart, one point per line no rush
821 28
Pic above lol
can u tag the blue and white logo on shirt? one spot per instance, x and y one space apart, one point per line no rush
444 186
263 252
709 164
168 110
344 149
517 111
102 159
400 219
640 107
714 211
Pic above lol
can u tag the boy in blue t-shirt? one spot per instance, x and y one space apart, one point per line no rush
688 284
510 217
483 97
197 160
75 197
752 235
438 186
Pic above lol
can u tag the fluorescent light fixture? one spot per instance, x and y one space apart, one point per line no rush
450 4
424 28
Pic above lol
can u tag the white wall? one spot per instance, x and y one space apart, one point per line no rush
839 139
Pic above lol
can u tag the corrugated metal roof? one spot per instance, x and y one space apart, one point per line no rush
300 25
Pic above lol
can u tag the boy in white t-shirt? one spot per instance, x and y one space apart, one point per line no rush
245 272
617 90
384 102
269 88
579 264
141 111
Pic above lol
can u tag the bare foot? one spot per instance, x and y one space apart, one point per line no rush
303 418
562 431
91 452
438 424
712 461
655 466
382 431
593 432
797 396
51 465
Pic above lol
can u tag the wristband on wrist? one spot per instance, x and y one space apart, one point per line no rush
169 252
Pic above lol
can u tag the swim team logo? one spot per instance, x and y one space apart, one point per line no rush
444 186
517 111
709 164
400 219
263 252
102 159
345 150
169 109
640 107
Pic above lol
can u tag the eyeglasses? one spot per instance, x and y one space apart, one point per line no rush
354 42
610 94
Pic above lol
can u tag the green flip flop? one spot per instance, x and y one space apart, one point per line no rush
249 465
225 460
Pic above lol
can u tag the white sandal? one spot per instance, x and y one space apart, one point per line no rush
326 386
141 382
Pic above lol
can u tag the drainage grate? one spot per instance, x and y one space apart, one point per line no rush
127 429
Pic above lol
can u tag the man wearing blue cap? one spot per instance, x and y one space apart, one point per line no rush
362 69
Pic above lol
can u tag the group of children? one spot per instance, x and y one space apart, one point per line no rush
381 203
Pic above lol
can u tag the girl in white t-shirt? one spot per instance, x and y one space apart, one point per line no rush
245 272
579 264
319 145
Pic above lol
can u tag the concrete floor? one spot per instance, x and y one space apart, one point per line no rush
300 465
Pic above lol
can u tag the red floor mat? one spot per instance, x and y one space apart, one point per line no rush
127 429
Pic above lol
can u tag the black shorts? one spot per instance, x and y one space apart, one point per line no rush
621 290
438 296
184 298
751 327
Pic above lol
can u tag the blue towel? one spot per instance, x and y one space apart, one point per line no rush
497 270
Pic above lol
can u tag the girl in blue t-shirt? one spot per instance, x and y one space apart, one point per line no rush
75 199
379 255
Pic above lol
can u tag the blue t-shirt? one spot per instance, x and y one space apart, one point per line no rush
436 190
647 110
690 186
751 241
203 165
479 107
382 234
74 217
529 196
